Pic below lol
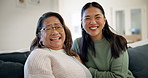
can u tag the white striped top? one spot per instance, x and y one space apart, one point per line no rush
48 63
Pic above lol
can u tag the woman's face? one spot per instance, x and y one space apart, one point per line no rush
93 22
52 33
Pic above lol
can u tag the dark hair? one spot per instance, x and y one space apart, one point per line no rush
68 40
117 42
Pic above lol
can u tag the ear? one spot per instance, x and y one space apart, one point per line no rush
39 35
81 21
104 20
41 40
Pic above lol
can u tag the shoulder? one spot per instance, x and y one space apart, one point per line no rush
39 54
38 57
76 44
122 60
38 62
39 51
77 40
123 56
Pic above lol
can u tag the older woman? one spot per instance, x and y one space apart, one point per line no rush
51 55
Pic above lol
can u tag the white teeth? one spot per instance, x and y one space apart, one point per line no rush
93 27
55 38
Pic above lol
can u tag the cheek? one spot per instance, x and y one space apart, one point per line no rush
104 21
101 22
47 37
84 24
63 36
44 37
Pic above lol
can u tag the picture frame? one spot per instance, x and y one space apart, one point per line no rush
34 2
21 3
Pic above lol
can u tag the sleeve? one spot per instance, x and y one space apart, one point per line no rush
118 68
38 65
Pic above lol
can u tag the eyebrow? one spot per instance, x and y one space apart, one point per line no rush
95 15
98 14
48 25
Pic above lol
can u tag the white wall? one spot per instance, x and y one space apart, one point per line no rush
127 5
71 10
18 24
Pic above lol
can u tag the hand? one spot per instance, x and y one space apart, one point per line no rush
78 58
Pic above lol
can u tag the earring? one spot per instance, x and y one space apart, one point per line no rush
41 44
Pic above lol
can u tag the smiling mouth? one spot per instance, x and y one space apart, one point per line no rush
52 39
93 28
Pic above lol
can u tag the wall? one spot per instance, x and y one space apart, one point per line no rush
18 24
71 9
126 4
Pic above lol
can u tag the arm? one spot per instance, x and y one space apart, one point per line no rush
38 65
118 68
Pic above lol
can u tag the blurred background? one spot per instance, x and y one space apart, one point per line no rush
18 19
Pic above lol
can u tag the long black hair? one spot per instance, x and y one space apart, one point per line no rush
117 42
68 41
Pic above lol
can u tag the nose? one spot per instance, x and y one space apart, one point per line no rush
93 21
54 32
53 29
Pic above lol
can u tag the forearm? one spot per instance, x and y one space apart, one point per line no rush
105 74
118 68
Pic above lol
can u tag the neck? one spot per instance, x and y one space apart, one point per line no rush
56 48
98 37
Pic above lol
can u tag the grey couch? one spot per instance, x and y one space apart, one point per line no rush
12 64
138 61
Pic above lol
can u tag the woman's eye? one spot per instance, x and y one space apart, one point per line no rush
98 17
57 27
87 18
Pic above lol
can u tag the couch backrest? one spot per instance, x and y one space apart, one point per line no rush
138 61
15 57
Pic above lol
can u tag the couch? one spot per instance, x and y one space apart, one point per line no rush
11 64
138 61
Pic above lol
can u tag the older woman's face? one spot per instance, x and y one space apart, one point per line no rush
52 33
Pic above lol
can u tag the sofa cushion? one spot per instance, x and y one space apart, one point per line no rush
138 63
11 70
